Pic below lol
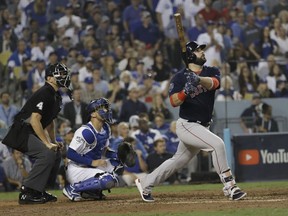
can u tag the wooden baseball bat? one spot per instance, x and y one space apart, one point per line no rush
180 31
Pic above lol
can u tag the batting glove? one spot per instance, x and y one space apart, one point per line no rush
189 88
192 77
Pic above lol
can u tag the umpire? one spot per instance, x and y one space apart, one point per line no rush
33 133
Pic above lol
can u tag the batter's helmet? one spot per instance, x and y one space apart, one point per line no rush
60 72
191 47
103 107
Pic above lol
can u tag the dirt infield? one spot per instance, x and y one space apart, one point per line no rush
166 203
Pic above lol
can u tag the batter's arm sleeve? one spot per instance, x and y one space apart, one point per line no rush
209 83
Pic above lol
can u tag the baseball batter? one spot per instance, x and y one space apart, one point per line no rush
193 89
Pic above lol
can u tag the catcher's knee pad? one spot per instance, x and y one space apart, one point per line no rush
105 181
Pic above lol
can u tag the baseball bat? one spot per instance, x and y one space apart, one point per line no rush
180 31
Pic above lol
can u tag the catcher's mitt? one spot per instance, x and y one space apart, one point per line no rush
126 154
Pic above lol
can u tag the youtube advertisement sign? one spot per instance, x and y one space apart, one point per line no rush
261 156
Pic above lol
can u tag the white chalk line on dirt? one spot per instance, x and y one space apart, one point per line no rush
222 201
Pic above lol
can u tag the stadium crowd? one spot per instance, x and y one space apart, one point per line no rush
127 51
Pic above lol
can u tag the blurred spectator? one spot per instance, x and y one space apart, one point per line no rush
88 93
109 68
160 124
37 10
16 168
100 85
132 15
42 50
264 46
196 29
227 91
102 30
282 41
247 82
4 152
250 115
7 110
274 75
53 58
64 46
133 123
281 89
148 88
263 90
116 95
75 111
160 67
280 6
214 43
56 9
126 81
75 79
209 13
36 75
80 62
132 105
191 9
266 123
86 70
158 106
238 27
264 67
172 139
146 134
70 24
261 18
130 174
159 156
146 31
8 40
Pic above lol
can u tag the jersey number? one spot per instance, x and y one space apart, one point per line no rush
40 105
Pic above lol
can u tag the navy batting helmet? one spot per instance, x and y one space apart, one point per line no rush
103 107
60 72
191 47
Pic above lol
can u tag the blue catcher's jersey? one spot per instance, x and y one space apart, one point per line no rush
90 143
199 105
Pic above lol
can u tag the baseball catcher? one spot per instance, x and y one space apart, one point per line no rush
92 166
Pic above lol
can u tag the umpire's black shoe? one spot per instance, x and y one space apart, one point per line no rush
49 197
30 196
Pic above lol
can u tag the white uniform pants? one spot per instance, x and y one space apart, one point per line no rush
193 138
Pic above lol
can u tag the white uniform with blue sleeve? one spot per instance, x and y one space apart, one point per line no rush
89 144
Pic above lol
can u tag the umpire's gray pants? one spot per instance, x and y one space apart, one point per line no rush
45 166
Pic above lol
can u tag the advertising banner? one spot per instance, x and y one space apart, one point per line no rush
261 156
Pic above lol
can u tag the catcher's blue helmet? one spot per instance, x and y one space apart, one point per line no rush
103 107
60 72
191 47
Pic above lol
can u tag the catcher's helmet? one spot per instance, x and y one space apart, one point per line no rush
103 107
191 47
60 72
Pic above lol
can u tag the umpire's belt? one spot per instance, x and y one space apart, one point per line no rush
205 124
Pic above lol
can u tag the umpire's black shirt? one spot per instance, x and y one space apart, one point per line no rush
45 101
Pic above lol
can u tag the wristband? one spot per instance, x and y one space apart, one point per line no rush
181 95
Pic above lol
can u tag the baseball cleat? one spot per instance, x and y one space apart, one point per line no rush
234 193
146 197
30 196
71 194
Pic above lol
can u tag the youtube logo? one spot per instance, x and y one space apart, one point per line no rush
249 157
